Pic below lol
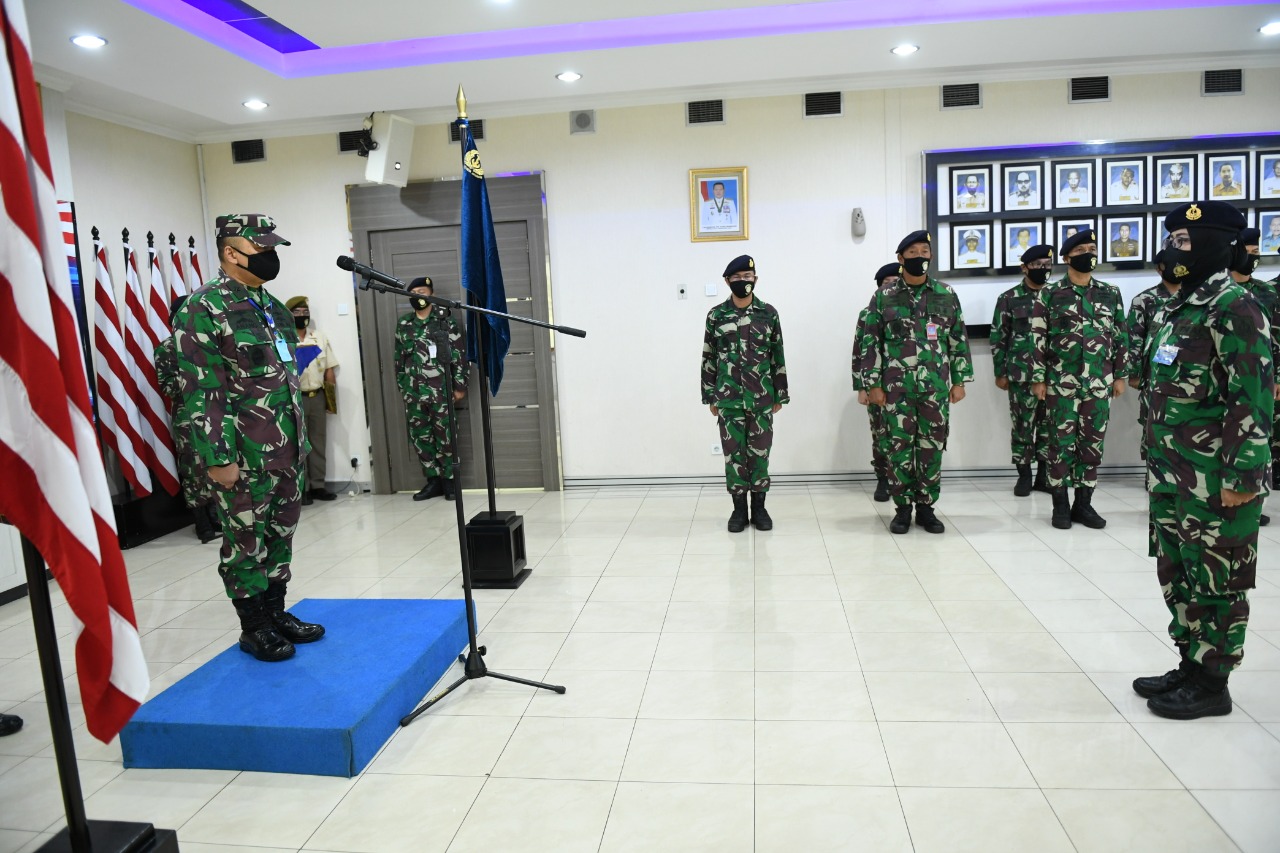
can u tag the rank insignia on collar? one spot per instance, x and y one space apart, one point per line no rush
1194 212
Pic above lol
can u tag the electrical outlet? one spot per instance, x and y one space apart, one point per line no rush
682 292
716 451
355 461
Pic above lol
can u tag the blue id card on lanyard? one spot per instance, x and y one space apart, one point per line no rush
282 346
1166 354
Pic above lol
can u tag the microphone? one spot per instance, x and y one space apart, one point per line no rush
350 264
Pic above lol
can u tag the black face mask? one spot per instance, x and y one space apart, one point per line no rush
418 303
301 322
915 267
264 265
742 289
1083 263
1211 253
1038 276
1242 262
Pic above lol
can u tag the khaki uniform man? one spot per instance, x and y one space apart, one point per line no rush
317 369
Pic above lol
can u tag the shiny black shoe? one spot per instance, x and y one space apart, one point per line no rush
881 494
738 520
1154 685
759 515
1082 510
1023 487
926 519
258 636
286 624
1191 701
1042 479
323 495
433 489
901 519
10 724
1061 509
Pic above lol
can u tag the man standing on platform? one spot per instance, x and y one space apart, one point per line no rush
1081 355
744 382
886 276
1208 445
915 365
236 374
1012 351
421 337
1143 311
316 368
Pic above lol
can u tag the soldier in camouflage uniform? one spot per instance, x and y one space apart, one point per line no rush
886 276
744 382
197 488
1080 359
1208 439
916 361
1143 311
420 377
1244 260
1011 351
239 385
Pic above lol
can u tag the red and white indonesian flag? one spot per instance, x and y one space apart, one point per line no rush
157 298
55 489
176 279
197 277
141 337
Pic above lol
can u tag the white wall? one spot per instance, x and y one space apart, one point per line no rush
617 201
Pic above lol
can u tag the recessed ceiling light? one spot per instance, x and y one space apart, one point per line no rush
256 104
905 49
90 42
1271 29
568 76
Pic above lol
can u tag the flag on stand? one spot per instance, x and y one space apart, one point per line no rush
140 342
176 279
55 489
197 277
118 397
157 296
481 272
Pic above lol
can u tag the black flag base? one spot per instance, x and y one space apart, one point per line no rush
495 541
112 836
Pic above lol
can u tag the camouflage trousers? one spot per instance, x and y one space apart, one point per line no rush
1077 426
259 516
915 436
879 432
1029 436
1206 562
746 438
1144 405
428 419
197 488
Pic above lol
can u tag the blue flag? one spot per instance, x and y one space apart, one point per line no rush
481 272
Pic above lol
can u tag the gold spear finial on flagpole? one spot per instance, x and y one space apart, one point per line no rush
462 103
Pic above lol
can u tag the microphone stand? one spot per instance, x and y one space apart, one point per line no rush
473 665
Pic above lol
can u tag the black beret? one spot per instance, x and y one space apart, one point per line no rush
1086 236
1037 253
913 238
1249 237
1205 214
422 281
742 263
887 270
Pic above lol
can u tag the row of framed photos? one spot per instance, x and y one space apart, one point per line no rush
1234 176
1122 238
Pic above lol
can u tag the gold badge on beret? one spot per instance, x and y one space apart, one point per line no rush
1194 212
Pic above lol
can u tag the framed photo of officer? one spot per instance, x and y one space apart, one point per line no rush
718 204
1023 186
1227 176
1126 181
1269 225
1073 184
1019 237
1268 176
971 246
1065 227
1123 239
971 189
1173 179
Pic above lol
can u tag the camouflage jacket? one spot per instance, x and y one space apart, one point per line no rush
1081 346
419 371
1011 344
167 376
1265 294
241 396
743 366
859 350
1209 425
915 340
1143 311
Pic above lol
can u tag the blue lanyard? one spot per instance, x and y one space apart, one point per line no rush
266 315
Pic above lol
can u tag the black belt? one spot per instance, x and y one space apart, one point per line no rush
313 393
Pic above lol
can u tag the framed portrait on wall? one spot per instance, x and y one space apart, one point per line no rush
1173 179
1123 239
1227 176
1020 236
1023 184
1269 225
971 246
1268 176
1126 181
1065 228
718 204
971 189
1073 184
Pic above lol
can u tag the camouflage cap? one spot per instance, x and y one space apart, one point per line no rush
1088 235
894 269
742 263
1037 253
1217 215
422 281
296 301
255 227
913 238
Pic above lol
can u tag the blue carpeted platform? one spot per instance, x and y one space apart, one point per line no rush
324 712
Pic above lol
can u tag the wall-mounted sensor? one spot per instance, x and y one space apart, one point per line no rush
859 223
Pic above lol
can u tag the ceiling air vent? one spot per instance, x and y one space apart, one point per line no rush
477 130
248 151
962 96
1226 82
1085 89
582 121
704 112
823 104
349 140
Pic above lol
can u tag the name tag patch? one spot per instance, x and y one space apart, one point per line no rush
931 329
1166 354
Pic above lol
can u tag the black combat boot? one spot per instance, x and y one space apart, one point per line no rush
1082 510
1154 685
1042 478
286 624
882 490
433 489
1061 509
1275 477
1200 695
738 520
1023 487
203 528
926 519
901 519
450 489
307 500
258 636
759 515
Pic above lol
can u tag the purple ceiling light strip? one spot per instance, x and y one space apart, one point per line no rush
719 24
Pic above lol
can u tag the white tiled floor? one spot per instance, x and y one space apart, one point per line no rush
823 687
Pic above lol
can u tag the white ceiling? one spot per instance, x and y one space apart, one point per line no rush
157 77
